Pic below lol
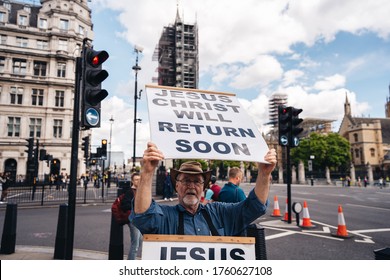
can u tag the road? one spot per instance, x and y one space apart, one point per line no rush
366 212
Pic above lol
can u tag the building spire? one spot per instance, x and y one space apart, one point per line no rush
178 19
347 106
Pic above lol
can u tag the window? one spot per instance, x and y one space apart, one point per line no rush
372 152
37 97
61 70
3 17
59 99
7 5
16 95
22 20
40 68
3 39
21 42
42 45
355 137
357 153
19 66
63 45
2 64
42 23
57 129
81 30
64 24
13 126
35 127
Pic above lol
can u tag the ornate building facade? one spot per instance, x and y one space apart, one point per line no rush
38 46
370 142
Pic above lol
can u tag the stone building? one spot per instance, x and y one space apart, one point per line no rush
38 46
370 143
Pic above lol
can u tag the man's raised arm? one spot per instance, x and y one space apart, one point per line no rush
150 161
263 177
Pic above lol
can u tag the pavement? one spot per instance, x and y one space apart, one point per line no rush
47 253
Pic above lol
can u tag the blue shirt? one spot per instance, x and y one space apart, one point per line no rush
229 219
231 193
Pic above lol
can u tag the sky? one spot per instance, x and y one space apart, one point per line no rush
317 52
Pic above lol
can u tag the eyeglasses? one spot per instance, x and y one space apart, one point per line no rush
187 182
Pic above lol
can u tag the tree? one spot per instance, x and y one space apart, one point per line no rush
330 151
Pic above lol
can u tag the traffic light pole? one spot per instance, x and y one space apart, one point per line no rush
288 184
73 165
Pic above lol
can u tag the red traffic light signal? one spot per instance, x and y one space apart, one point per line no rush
92 93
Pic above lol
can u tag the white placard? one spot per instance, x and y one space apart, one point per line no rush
196 124
183 247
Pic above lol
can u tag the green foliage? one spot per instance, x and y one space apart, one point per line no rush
329 150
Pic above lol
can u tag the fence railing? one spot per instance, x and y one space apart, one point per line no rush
46 194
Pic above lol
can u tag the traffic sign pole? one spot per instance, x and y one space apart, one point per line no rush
73 165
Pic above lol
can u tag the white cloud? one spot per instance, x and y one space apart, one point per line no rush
239 44
329 83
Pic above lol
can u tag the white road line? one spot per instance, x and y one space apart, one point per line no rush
370 207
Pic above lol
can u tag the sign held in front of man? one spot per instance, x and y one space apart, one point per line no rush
189 247
202 125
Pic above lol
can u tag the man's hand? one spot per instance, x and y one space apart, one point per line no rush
151 158
270 157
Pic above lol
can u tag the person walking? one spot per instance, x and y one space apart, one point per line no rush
168 189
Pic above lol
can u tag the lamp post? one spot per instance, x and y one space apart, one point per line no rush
109 155
137 96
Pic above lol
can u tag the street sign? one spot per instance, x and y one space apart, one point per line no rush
284 140
296 141
310 165
92 116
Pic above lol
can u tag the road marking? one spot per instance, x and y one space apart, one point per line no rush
371 230
365 240
370 207
324 230
282 234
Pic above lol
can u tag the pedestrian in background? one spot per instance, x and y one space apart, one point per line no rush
168 189
231 191
135 234
215 188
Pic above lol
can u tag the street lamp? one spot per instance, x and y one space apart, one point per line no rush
137 96
109 155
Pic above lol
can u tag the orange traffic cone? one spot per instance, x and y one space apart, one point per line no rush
276 212
342 227
285 218
306 222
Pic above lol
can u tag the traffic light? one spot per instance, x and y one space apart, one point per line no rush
92 93
42 154
104 148
295 129
30 148
85 146
284 125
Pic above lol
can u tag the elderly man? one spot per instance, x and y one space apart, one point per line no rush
190 217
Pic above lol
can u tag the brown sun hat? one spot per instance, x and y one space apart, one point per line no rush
190 167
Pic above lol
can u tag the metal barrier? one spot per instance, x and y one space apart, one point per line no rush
46 194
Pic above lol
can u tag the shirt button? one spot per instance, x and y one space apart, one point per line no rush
198 229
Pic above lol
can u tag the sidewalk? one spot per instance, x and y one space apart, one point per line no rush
46 253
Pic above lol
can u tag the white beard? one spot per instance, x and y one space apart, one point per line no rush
190 200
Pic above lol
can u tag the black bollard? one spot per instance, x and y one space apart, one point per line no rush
59 248
257 231
8 239
115 250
